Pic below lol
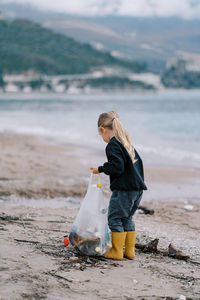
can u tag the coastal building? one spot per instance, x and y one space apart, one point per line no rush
11 88
185 62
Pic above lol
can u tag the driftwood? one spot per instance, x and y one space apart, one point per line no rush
171 251
54 221
192 261
175 253
59 276
146 210
150 247
26 241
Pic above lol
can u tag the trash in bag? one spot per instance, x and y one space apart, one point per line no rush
90 233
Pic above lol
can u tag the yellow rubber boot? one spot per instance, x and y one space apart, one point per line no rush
130 244
116 251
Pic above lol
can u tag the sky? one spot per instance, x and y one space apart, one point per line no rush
187 9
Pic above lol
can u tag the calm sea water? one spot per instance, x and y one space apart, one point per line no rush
165 127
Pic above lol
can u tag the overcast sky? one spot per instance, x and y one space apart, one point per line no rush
183 8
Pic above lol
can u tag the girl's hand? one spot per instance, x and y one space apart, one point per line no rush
94 170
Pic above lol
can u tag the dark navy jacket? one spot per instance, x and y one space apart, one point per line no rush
124 174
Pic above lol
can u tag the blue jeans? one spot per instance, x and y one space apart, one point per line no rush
122 207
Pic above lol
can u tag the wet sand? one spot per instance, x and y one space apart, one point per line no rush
41 185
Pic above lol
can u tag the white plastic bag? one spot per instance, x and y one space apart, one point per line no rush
90 233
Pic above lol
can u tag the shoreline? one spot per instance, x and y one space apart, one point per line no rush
62 96
49 168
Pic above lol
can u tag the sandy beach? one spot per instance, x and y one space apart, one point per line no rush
41 186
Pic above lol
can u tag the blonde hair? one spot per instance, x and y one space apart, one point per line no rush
112 121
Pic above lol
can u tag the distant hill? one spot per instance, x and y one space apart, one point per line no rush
153 40
25 45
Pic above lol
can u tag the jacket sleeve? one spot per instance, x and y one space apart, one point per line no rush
115 164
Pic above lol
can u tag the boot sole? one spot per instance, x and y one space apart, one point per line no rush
130 258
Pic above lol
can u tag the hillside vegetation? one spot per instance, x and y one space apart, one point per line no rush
25 45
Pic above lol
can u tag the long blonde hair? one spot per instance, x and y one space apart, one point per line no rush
112 121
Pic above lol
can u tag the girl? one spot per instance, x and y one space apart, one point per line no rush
125 169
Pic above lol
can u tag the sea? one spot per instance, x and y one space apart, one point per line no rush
164 126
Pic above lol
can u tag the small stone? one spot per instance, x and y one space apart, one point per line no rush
77 265
182 297
135 281
72 258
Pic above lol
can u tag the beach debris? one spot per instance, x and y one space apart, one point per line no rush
146 210
56 221
186 279
175 253
135 281
15 219
188 207
63 279
29 250
59 277
6 217
196 262
66 241
73 258
149 247
26 241
77 265
182 297
90 245
9 218
89 260
171 251
23 224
